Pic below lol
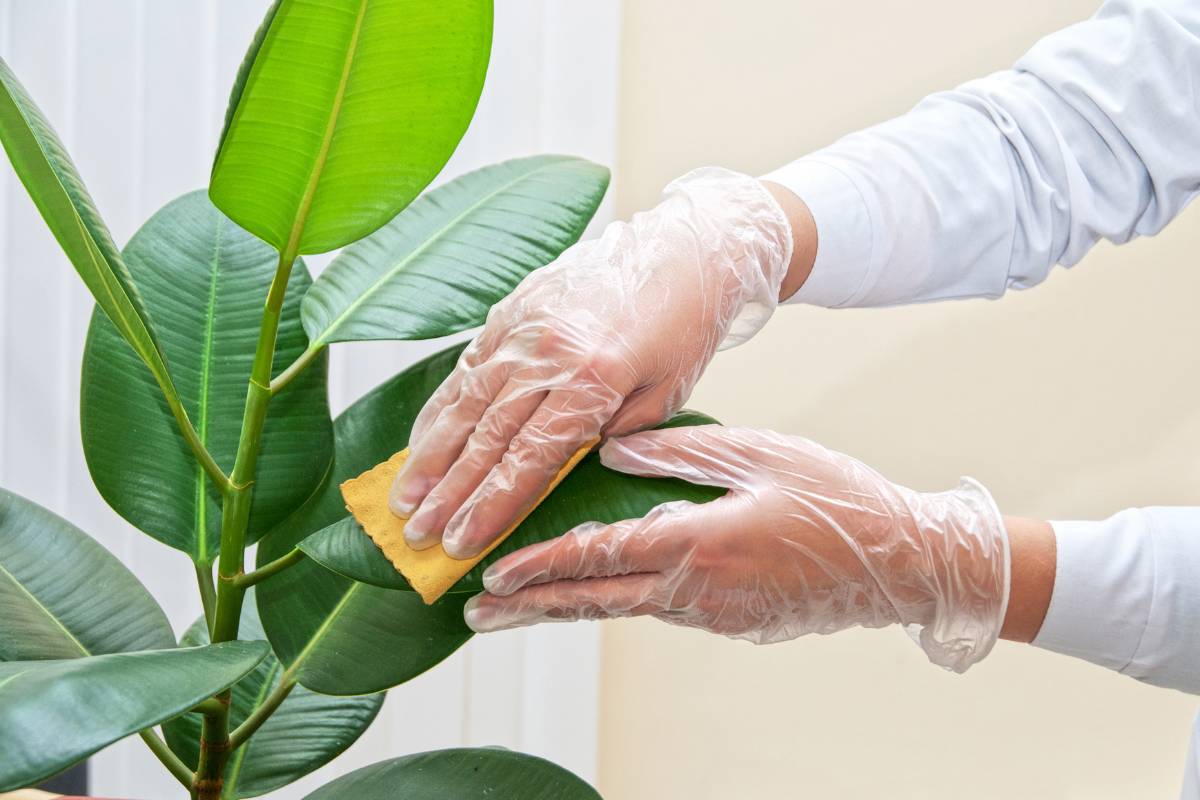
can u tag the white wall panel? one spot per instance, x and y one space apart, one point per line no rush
137 89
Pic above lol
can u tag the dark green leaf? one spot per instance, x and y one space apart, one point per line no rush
349 109
207 279
438 267
339 636
591 493
306 731
467 773
54 713
62 595
53 183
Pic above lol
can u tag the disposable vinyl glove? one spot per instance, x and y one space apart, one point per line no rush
806 540
609 338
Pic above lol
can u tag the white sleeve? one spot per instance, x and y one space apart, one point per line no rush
1095 133
1127 595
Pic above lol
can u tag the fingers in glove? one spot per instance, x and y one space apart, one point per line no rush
562 424
439 448
700 454
485 447
566 601
659 541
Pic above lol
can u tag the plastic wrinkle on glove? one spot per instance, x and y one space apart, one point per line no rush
430 571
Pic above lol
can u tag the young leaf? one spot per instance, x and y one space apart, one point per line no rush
438 267
348 110
54 713
65 596
464 773
208 279
53 183
591 493
305 732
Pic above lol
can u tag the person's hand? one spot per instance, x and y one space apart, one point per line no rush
806 540
608 339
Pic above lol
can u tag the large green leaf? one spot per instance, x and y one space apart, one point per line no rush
339 636
348 110
53 183
62 595
306 731
54 713
438 267
466 773
207 279
591 493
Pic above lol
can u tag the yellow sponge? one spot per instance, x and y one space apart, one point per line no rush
431 572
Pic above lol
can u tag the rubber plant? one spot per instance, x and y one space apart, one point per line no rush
206 424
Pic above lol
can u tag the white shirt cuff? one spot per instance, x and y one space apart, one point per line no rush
1126 595
843 231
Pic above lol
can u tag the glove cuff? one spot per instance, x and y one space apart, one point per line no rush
751 240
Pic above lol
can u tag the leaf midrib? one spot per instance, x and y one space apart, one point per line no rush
321 340
39 604
202 409
321 631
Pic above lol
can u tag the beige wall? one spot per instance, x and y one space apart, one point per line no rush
1076 399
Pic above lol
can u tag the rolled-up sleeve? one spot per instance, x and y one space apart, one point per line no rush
1126 595
1094 134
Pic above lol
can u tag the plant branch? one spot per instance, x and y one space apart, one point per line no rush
210 706
214 752
295 368
263 712
208 593
210 466
248 579
235 511
164 754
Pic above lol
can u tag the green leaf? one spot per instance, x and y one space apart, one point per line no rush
305 732
339 636
591 493
207 279
65 596
349 109
438 267
466 773
54 713
55 187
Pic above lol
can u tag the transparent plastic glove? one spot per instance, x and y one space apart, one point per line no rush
609 338
806 540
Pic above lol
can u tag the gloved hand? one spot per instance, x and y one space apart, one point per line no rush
610 338
806 540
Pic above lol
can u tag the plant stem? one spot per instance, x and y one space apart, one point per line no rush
208 593
210 706
214 752
210 466
235 510
168 758
263 712
248 579
295 368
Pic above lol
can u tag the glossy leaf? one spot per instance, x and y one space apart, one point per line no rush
62 595
466 773
438 267
591 493
42 164
306 731
54 713
348 110
339 636
207 280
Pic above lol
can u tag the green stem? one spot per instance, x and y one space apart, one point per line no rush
208 593
210 706
214 752
215 473
169 760
248 579
235 512
295 368
263 712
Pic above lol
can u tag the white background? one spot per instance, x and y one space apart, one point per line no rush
137 90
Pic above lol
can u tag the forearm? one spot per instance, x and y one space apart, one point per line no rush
1033 552
804 238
